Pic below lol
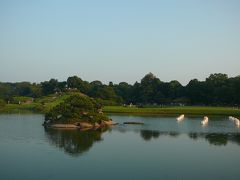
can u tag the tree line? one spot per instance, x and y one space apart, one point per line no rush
217 89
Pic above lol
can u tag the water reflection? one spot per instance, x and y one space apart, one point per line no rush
152 134
148 134
74 142
217 139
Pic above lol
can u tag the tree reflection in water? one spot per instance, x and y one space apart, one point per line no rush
149 134
217 139
74 142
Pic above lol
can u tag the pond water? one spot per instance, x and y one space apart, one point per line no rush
159 149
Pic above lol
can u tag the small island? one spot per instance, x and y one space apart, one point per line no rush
77 112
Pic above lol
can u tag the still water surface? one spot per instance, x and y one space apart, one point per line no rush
159 149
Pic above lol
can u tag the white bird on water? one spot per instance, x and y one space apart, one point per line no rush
231 118
235 120
205 120
180 118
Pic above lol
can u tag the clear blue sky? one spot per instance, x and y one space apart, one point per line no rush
118 40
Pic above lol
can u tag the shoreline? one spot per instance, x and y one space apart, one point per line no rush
80 125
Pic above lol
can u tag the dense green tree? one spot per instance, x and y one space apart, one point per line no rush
217 89
103 92
49 87
6 91
96 83
236 90
176 89
195 91
123 90
149 89
76 108
9 90
135 93
75 82
217 79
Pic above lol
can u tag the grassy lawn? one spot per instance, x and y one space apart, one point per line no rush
42 104
17 107
45 103
188 110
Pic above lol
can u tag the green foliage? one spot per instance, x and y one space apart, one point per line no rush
216 90
2 103
45 103
123 90
76 108
21 99
9 90
75 82
106 102
52 86
103 92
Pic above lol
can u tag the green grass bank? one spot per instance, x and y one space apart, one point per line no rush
188 110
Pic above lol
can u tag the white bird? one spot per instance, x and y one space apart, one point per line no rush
180 118
205 120
237 122
231 118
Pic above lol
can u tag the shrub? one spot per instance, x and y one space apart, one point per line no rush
76 108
